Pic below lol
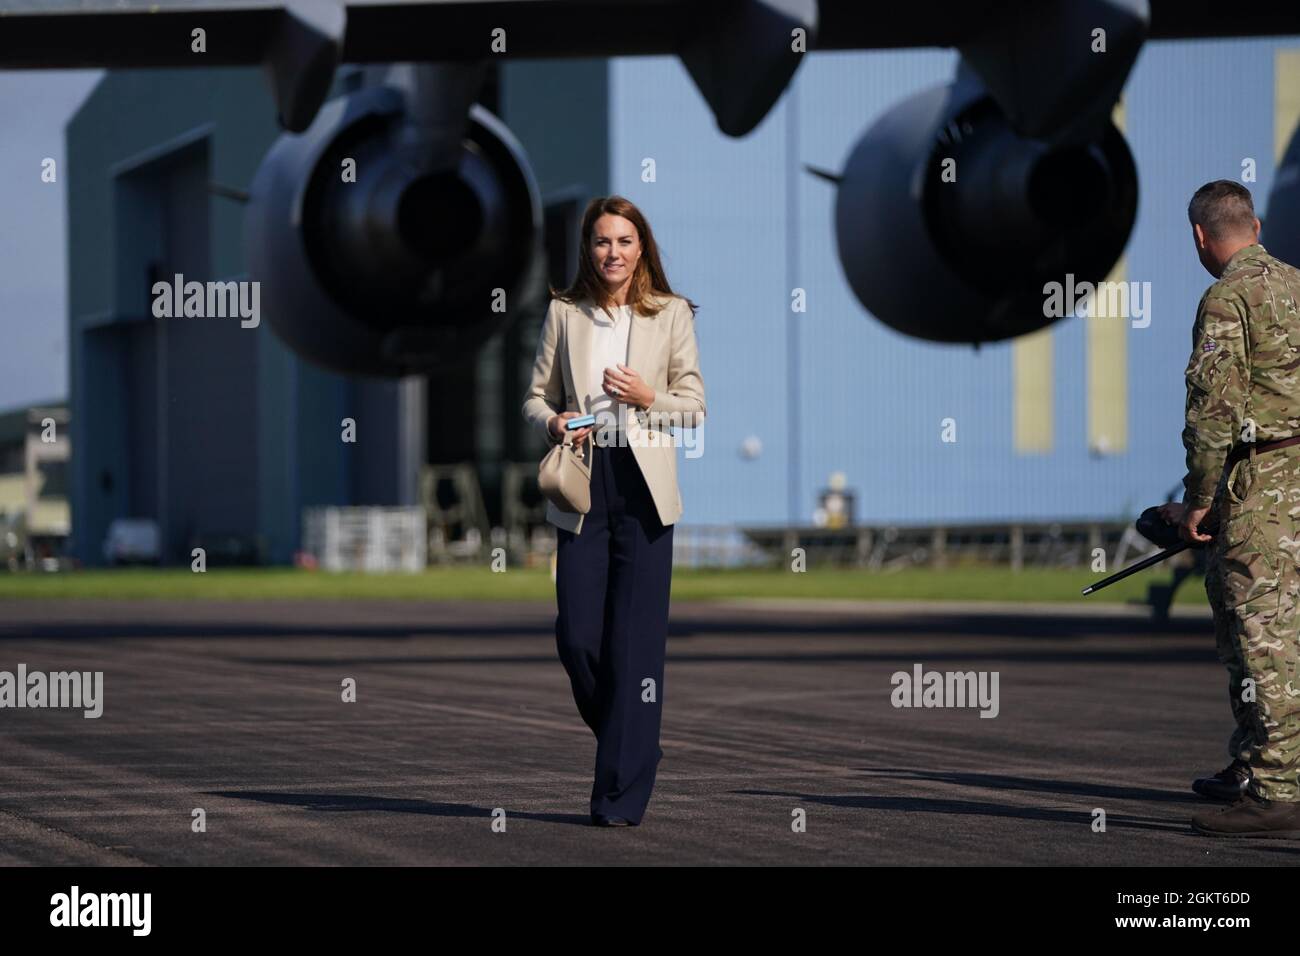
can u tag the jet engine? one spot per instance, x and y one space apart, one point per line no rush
949 223
389 238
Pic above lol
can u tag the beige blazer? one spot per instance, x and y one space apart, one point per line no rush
663 349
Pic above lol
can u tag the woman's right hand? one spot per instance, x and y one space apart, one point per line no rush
555 425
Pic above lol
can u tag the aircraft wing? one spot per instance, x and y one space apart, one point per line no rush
56 34
737 51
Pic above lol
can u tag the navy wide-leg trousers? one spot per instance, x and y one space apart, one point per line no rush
612 585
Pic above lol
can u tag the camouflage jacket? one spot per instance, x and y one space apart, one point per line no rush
1243 379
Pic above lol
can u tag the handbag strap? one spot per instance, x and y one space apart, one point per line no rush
577 451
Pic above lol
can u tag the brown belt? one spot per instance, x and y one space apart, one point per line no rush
1242 451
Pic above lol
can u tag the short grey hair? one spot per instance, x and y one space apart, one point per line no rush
1222 208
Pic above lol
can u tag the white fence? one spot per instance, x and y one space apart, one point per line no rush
366 539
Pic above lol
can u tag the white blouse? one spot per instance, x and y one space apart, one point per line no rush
608 350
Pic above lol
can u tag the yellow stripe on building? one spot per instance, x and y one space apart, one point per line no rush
1031 404
1286 98
1106 348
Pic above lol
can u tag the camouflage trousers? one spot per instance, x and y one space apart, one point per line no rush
1253 583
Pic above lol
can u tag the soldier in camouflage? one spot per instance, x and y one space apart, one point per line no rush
1242 437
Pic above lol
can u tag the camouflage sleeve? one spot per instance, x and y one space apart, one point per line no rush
1217 380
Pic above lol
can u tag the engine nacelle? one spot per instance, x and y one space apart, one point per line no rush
1281 232
395 272
965 260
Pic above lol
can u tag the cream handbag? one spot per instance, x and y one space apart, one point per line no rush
565 477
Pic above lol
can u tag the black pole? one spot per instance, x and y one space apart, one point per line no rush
1134 568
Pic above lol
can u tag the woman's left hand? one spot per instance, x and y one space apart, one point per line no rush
626 385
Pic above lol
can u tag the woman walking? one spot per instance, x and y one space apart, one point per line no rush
620 345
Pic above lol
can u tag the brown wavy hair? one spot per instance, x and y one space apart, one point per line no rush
648 279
